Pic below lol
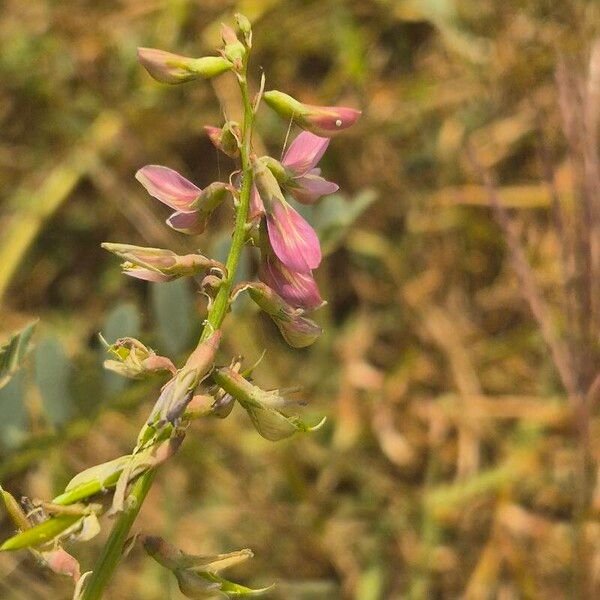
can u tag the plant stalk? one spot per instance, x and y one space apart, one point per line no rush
113 549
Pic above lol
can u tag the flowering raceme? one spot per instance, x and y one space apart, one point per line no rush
260 190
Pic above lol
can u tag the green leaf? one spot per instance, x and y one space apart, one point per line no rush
14 411
13 352
173 310
275 426
52 376
232 589
40 534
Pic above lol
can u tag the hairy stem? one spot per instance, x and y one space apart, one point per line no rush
113 549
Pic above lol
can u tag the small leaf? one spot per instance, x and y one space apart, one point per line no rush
52 374
232 589
14 411
13 352
173 310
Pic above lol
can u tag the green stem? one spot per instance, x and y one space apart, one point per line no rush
113 549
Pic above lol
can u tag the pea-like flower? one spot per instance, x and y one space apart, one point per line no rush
293 240
298 289
193 206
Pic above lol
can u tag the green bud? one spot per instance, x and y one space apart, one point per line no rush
167 67
40 534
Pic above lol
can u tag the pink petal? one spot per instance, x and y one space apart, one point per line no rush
309 188
305 152
190 223
257 208
146 275
328 120
298 289
168 186
293 240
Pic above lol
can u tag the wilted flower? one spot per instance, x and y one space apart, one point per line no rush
293 240
134 359
160 265
321 120
297 330
192 205
298 289
167 67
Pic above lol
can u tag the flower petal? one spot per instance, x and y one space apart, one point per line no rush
257 208
146 274
293 240
298 289
190 223
168 186
309 188
305 152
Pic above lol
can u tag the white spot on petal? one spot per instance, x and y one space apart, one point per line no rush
338 123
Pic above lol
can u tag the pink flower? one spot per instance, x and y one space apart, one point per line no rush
192 205
169 187
306 184
297 289
293 240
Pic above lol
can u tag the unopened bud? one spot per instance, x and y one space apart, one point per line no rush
324 121
234 50
245 27
226 138
160 265
167 67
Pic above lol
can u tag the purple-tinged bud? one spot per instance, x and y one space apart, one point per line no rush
293 240
169 187
298 289
134 359
321 120
297 330
167 67
178 392
226 138
158 264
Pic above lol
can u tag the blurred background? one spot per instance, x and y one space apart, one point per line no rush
448 464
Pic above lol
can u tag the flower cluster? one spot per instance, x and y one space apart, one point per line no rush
262 190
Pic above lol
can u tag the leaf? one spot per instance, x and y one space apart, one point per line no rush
52 376
13 352
232 589
173 310
14 411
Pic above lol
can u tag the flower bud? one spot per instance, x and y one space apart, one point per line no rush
177 393
297 330
159 265
168 186
225 139
324 121
245 27
167 67
234 50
